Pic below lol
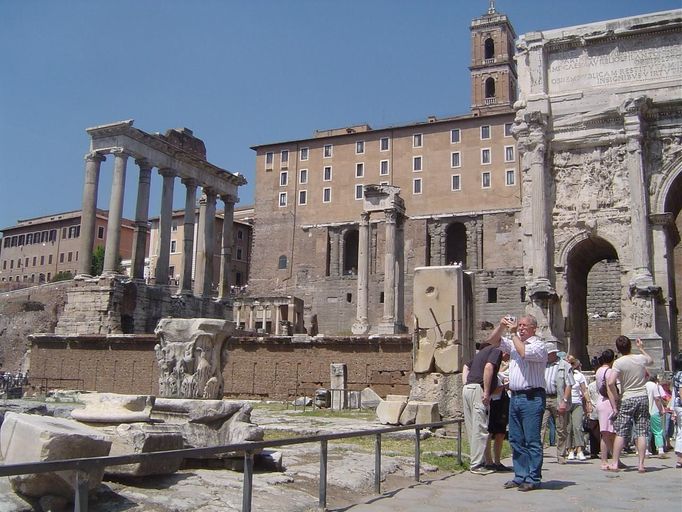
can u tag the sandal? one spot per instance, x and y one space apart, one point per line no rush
641 470
678 465
604 467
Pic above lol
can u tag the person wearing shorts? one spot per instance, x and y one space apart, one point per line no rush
632 407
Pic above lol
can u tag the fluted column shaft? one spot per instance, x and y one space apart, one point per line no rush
111 250
165 225
389 267
141 219
361 325
188 235
203 282
93 162
226 248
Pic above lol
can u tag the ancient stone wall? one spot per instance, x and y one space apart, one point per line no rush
257 367
24 312
603 289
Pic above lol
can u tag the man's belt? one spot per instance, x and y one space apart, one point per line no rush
529 391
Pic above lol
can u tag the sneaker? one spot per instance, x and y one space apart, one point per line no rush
662 454
561 460
480 470
581 456
502 468
510 484
571 456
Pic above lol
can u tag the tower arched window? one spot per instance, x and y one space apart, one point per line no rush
282 262
489 48
490 87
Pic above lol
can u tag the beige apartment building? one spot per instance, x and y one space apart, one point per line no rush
459 180
35 250
241 246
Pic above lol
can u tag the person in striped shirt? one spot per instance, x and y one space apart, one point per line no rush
528 358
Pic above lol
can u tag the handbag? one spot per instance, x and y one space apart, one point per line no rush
603 389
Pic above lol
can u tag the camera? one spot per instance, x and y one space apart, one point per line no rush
510 318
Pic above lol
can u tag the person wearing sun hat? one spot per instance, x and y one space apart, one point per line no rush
558 382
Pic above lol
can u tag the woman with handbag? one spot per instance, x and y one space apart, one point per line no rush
604 409
580 403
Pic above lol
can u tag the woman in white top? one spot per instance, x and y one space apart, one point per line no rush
580 403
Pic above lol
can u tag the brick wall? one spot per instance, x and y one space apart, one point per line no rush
257 367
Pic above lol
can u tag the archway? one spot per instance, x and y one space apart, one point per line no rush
489 48
489 87
673 204
593 282
350 252
456 244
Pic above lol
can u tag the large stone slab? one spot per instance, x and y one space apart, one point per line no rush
114 408
128 439
29 438
209 422
389 411
369 399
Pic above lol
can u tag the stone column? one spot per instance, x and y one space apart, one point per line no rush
361 325
203 282
111 249
93 162
436 234
278 316
141 219
338 383
165 224
188 235
387 325
249 326
226 249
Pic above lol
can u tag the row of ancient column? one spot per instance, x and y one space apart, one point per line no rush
251 316
203 274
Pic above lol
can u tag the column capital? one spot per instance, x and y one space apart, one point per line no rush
167 172
120 152
391 216
94 156
209 193
189 182
229 198
143 164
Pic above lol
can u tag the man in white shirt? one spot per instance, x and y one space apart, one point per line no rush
528 358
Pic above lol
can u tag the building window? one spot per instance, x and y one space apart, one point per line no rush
454 136
61 258
74 231
174 225
485 179
303 176
416 163
42 260
282 199
360 170
29 239
485 132
508 129
284 157
417 186
53 235
100 232
269 157
171 272
360 147
492 295
49 259
282 262
455 159
304 154
359 188
240 234
302 197
35 260
384 144
326 195
417 140
382 183
11 264
239 253
383 168
509 153
174 246
327 151
69 257
21 238
490 88
510 177
283 178
456 182
327 173
485 156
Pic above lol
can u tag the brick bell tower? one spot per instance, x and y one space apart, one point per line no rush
493 69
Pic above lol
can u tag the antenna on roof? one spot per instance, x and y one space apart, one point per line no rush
491 7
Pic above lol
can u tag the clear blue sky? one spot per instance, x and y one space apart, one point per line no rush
238 73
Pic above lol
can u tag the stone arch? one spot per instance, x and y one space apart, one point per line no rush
489 87
579 255
668 196
351 241
489 48
456 244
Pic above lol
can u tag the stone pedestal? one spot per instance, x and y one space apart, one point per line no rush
338 373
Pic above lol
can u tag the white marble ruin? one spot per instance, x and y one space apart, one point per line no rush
192 354
599 130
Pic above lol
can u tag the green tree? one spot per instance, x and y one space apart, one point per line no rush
62 276
97 261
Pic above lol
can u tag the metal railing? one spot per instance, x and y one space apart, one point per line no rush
82 466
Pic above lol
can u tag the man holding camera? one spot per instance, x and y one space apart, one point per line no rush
528 358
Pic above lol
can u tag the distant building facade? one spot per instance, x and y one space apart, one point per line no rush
459 180
35 250
242 232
